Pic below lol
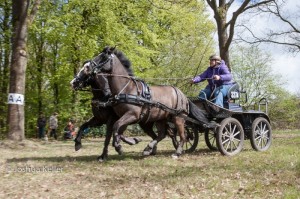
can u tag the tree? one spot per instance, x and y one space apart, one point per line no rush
66 33
20 18
252 70
284 111
286 34
226 27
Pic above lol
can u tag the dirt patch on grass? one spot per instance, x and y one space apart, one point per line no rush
287 136
28 144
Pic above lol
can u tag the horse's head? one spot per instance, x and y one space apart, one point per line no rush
103 62
111 57
81 80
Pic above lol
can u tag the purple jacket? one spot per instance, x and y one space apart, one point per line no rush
221 70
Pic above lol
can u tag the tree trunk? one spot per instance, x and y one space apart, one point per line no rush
220 17
18 68
226 27
40 59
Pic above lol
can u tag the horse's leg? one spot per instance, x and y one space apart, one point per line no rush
108 135
130 141
148 129
179 123
152 146
119 125
109 126
91 122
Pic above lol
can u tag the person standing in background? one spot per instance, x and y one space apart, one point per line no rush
53 124
41 124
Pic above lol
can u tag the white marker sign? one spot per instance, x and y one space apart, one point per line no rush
15 98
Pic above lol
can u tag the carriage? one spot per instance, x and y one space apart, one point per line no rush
169 109
236 125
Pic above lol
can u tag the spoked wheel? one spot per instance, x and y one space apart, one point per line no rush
192 139
210 139
230 137
261 134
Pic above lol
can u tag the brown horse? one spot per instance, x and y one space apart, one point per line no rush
167 104
102 114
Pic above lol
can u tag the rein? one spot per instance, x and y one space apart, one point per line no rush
90 90
124 76
115 75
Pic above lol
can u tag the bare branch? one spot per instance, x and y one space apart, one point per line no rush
34 10
277 13
259 4
213 5
289 37
269 39
229 3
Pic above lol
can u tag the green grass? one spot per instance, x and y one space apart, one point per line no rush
201 174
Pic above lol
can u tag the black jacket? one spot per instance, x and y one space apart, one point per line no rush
41 122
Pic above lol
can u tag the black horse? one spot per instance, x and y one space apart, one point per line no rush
167 104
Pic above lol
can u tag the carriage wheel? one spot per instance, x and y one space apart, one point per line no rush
192 139
210 139
261 134
230 137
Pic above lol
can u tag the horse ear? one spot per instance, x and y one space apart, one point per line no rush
112 49
106 49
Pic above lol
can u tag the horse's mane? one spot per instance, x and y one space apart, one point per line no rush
123 59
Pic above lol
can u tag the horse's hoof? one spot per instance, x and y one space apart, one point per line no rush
175 156
119 150
146 153
77 146
137 140
102 158
154 150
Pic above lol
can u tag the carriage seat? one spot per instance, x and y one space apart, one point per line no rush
233 94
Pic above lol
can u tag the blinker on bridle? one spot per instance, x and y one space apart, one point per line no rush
96 68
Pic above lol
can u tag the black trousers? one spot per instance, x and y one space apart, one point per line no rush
53 133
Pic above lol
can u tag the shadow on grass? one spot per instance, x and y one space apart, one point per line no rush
93 158
87 158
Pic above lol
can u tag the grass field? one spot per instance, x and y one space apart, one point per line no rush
37 169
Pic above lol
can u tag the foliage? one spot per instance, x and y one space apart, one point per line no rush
168 42
150 33
285 111
5 48
252 70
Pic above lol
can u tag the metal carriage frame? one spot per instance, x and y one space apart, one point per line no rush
236 125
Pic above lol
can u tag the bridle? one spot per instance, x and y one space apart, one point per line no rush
95 68
98 68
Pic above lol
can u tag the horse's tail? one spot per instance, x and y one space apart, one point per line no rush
197 113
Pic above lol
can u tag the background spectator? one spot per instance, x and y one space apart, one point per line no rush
41 124
53 124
